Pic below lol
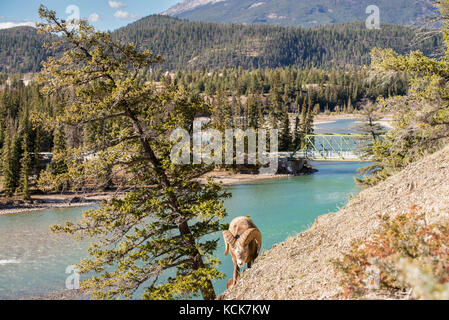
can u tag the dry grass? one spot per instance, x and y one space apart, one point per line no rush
299 268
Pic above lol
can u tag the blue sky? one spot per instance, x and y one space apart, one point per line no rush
103 14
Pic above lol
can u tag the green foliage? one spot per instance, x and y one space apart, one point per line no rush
154 237
195 45
21 50
238 98
421 122
21 141
372 147
261 97
404 243
25 169
285 139
9 178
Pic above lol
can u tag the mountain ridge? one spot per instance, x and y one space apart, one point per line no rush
188 5
192 45
300 12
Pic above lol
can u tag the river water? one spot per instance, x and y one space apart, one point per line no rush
33 261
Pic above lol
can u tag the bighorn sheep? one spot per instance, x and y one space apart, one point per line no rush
244 241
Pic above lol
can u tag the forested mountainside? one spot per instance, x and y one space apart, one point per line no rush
21 50
186 44
299 12
191 45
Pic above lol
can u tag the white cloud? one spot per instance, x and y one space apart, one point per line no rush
13 24
116 5
94 17
124 15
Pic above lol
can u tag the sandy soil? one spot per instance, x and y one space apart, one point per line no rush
229 178
324 118
53 201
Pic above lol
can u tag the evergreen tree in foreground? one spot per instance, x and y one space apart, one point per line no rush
153 237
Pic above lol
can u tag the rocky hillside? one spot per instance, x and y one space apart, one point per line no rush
299 12
299 268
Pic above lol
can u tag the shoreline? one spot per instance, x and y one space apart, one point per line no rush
53 201
67 200
71 200
330 118
386 120
231 179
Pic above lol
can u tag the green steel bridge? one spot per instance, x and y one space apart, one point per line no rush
331 147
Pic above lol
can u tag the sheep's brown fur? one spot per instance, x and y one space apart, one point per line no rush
244 241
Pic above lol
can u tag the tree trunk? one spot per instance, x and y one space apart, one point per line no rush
208 293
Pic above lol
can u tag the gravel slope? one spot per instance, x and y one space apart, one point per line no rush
299 268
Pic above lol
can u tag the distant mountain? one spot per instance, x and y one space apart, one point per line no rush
188 5
21 50
186 44
192 45
306 13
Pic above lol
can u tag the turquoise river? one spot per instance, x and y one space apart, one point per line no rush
33 261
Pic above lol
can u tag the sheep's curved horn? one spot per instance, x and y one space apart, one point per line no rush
251 234
229 240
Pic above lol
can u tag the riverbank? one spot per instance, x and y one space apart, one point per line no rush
70 200
386 120
51 201
295 202
328 118
230 179
60 201
300 269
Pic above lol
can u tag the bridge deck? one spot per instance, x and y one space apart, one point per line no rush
332 147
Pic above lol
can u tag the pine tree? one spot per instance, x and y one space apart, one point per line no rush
16 155
276 109
25 169
58 165
285 140
151 231
253 112
11 155
8 174
298 134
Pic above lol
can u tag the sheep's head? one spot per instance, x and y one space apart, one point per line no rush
240 245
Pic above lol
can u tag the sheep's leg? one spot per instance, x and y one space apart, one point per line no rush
230 283
250 264
236 272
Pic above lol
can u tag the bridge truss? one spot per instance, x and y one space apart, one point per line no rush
334 147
